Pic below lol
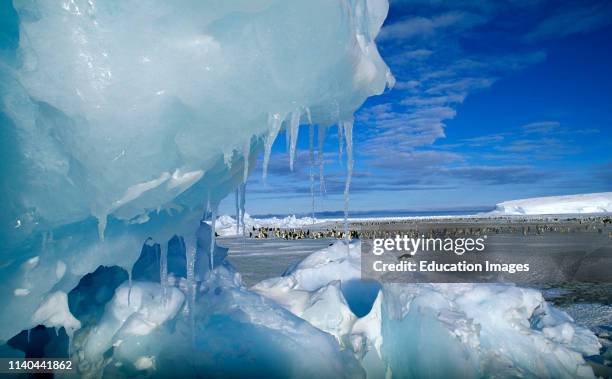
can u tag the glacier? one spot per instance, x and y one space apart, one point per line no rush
125 123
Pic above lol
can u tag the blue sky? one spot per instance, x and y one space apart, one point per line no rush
494 101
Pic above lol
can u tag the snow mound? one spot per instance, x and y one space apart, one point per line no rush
570 204
483 329
226 225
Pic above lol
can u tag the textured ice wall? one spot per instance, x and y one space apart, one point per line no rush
114 109
120 106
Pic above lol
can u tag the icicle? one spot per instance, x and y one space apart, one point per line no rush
69 333
213 221
190 254
274 123
340 141
348 131
310 163
294 127
44 241
227 158
163 271
246 152
101 225
308 115
205 215
237 196
242 206
130 285
321 137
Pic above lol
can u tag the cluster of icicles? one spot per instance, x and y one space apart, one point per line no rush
275 121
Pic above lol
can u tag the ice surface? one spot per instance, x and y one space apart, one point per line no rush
228 332
54 313
435 330
134 311
572 204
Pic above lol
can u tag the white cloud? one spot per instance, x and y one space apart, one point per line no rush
423 26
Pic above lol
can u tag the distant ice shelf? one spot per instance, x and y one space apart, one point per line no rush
550 205
570 204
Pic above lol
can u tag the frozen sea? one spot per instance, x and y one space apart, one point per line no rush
259 259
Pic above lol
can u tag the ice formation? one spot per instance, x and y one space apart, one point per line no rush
123 120
433 330
129 113
569 204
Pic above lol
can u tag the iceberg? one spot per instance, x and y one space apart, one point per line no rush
569 204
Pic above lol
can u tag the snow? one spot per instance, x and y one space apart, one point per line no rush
308 291
482 329
229 331
135 310
569 204
321 319
21 292
53 312
144 363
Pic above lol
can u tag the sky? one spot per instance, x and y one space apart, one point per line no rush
494 101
